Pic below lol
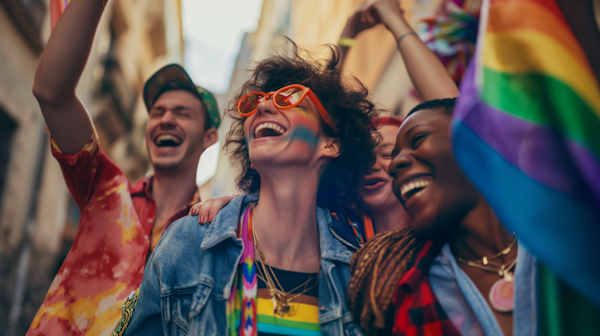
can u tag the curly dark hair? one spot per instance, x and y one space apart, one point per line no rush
348 105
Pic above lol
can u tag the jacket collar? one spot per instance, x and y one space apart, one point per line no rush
225 226
331 247
343 230
226 222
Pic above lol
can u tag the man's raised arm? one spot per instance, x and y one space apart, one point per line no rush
58 73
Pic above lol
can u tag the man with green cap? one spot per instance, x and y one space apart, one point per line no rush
120 223
183 122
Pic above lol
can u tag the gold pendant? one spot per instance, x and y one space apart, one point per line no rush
283 308
280 307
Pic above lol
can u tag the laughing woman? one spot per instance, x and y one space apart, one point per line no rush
457 270
267 264
379 209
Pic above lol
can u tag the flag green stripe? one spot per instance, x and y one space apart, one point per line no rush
543 100
266 319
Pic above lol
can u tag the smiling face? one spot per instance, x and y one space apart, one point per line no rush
175 133
376 192
426 179
283 137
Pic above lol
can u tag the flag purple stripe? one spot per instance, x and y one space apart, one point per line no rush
560 231
590 170
540 152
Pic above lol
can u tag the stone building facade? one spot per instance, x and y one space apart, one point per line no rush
38 219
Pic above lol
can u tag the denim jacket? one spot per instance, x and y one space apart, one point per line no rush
188 278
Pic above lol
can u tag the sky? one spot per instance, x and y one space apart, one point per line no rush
213 32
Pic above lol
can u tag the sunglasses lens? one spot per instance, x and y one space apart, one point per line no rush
250 103
289 97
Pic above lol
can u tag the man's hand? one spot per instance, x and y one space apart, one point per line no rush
208 209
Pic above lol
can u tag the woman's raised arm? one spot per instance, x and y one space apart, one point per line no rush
428 74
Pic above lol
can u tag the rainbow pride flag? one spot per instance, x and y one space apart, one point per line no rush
526 131
57 7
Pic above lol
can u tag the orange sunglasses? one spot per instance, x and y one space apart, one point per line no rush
284 98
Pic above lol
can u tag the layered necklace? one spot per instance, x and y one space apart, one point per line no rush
281 298
501 294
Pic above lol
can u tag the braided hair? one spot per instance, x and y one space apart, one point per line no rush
376 269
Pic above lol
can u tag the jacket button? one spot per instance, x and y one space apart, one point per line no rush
322 308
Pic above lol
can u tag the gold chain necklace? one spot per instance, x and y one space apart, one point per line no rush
281 302
486 260
501 295
502 270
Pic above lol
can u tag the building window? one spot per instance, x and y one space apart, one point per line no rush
7 132
29 16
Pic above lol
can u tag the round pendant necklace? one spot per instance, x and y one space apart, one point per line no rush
501 295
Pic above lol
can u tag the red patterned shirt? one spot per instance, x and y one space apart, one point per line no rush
417 310
141 194
106 261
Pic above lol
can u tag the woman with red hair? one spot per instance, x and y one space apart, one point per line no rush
379 203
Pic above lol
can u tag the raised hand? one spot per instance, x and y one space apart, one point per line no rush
381 11
428 75
367 15
356 23
208 209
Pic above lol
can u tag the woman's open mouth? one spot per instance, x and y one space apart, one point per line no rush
373 183
268 129
414 185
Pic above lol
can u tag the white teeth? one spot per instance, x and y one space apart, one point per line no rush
412 184
165 137
278 129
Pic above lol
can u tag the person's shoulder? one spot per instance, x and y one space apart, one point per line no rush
180 238
177 257
233 210
184 230
186 233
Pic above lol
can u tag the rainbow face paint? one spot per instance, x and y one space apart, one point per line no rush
295 130
304 128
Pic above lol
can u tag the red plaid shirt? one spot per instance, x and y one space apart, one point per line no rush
417 310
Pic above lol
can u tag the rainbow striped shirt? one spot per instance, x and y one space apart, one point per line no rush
304 310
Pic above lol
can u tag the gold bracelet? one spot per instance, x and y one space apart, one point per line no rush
403 36
346 41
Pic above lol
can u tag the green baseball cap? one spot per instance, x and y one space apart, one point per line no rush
173 77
